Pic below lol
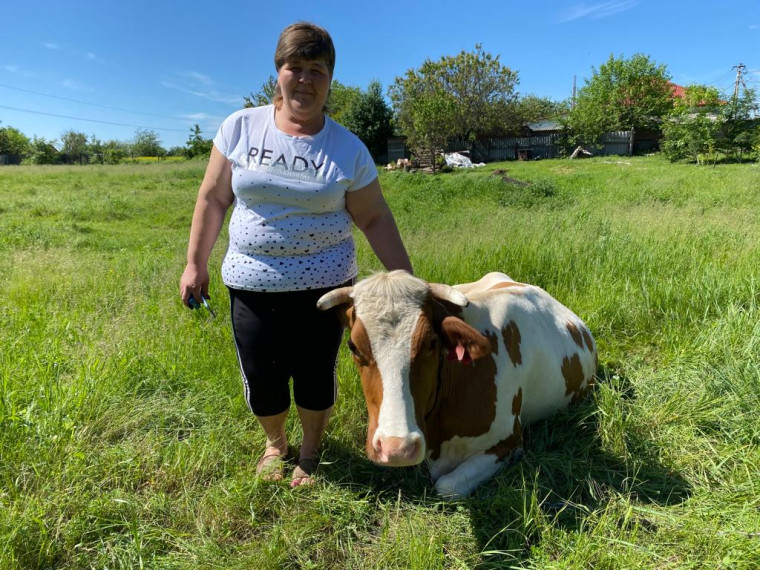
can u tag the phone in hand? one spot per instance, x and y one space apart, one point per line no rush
196 305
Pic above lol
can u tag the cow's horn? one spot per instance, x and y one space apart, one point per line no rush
334 298
448 293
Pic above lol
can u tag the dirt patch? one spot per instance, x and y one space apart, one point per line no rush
503 175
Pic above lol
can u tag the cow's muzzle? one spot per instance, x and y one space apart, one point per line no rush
394 451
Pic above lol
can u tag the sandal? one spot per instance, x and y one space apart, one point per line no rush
269 467
304 471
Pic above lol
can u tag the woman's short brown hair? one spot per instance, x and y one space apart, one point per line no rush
303 40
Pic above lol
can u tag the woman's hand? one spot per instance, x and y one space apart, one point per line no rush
194 281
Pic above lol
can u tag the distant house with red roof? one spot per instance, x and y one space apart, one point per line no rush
677 90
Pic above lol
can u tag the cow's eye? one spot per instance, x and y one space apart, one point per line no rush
352 347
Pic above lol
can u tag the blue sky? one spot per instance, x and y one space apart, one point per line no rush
165 66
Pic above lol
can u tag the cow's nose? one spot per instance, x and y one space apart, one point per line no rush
399 451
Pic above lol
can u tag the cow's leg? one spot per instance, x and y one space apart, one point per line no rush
464 479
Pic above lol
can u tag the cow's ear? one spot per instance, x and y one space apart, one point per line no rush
463 342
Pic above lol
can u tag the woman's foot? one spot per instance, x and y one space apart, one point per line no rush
303 474
270 466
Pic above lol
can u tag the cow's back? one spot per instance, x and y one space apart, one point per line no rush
546 354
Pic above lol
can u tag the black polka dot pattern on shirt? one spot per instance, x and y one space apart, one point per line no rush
289 228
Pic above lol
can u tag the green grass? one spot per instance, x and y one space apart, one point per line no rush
125 441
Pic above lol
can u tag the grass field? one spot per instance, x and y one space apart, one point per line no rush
125 441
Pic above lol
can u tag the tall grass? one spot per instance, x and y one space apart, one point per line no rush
125 441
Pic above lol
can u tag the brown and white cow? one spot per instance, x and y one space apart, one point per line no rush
452 374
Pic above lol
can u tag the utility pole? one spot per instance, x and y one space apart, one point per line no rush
739 79
572 104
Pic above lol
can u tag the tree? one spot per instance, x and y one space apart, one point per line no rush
704 122
528 109
341 100
42 151
115 151
95 150
477 84
755 141
13 142
147 143
264 96
624 94
434 123
74 147
694 125
738 114
196 145
370 118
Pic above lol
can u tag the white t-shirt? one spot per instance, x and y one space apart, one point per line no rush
289 229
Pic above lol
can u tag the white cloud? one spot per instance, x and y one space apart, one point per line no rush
74 85
597 11
92 57
73 51
753 27
199 77
15 69
198 117
208 123
210 94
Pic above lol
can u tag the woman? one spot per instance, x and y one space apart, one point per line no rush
297 180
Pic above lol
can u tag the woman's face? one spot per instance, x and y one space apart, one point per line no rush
305 84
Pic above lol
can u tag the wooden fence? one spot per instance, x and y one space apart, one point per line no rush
10 159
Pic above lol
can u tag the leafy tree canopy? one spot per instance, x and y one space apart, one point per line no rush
370 118
197 145
622 94
341 99
703 122
475 83
42 151
264 96
13 141
147 143
527 109
693 125
75 146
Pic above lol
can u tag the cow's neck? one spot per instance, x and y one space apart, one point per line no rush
465 403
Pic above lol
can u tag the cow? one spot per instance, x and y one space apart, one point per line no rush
451 375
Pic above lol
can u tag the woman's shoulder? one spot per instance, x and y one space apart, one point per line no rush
254 113
342 132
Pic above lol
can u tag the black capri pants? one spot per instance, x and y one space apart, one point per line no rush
279 336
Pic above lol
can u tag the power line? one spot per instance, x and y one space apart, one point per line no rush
91 120
86 103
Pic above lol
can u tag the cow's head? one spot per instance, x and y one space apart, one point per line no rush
401 329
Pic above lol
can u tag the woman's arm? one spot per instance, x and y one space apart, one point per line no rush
373 217
214 199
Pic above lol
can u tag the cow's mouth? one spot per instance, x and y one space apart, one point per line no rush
396 451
